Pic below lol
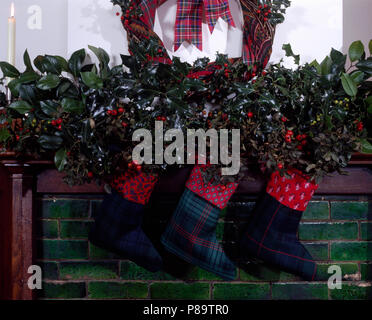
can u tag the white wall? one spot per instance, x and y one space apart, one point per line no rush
312 27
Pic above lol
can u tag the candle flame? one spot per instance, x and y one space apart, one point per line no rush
12 10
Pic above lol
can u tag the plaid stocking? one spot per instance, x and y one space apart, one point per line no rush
191 233
272 233
117 227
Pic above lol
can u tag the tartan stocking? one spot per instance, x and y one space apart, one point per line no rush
272 233
191 233
117 226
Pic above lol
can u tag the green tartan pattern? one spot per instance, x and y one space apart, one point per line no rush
191 235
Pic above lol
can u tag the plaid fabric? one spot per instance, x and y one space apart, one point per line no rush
188 25
191 236
149 10
272 237
117 228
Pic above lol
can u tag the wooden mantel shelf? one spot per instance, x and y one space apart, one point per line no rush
21 180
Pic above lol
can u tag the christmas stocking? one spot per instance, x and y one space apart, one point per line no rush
272 233
191 233
117 227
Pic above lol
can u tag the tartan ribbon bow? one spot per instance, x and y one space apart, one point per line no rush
188 25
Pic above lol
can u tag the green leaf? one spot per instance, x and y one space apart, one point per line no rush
72 105
49 107
366 146
76 61
60 159
369 104
28 92
9 70
325 66
38 62
48 82
104 59
27 61
48 142
92 80
21 106
349 85
316 65
63 63
356 50
52 65
4 135
28 77
365 66
357 76
289 53
370 47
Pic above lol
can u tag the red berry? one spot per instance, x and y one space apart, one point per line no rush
254 74
304 142
217 90
299 148
122 17
109 112
266 14
59 127
114 112
284 119
250 114
265 19
59 121
90 175
54 123
120 110
290 133
226 65
124 124
258 11
17 138
288 138
280 166
117 13
138 167
265 6
360 126
299 137
264 73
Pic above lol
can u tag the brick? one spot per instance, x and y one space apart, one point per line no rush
328 231
299 291
366 230
348 269
241 291
131 271
350 210
345 251
65 208
317 210
361 291
117 290
319 251
75 229
201 274
47 229
97 253
89 270
176 291
62 249
63 290
49 270
260 272
366 271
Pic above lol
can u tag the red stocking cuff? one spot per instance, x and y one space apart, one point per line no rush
218 195
135 187
294 193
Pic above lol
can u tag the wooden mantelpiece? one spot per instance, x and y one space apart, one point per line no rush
20 181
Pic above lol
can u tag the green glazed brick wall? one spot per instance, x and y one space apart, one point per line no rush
336 231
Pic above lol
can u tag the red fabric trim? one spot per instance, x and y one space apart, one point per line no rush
218 196
135 186
295 192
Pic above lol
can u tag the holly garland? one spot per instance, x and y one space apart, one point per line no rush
310 118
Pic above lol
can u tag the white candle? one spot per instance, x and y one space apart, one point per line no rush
11 36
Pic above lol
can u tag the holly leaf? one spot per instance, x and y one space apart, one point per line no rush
76 61
60 159
27 61
48 82
48 142
92 80
289 53
21 106
49 107
72 105
366 146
